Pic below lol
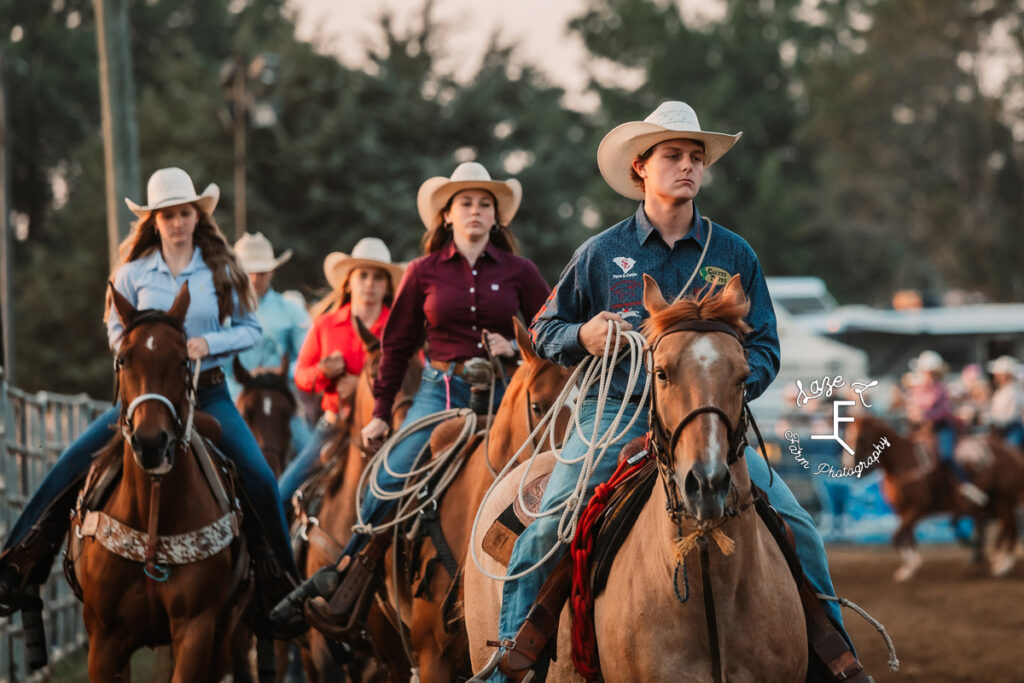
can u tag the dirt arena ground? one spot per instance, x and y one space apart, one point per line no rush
952 622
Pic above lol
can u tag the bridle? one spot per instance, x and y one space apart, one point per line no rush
182 429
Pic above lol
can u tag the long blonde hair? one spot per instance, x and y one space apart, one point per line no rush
228 276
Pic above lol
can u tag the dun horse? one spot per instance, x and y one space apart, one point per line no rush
643 632
440 647
267 405
916 485
188 601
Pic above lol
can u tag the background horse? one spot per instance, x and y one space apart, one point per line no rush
268 405
440 647
916 485
338 511
642 632
191 607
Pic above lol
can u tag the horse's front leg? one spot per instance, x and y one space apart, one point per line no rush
198 648
109 659
903 539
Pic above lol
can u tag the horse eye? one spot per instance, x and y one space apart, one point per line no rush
535 407
660 375
119 362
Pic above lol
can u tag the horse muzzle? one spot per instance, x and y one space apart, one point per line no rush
705 490
154 454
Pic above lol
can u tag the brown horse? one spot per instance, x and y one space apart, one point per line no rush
185 601
268 405
643 633
333 528
916 485
440 647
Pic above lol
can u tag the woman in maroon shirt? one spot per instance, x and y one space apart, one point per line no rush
471 282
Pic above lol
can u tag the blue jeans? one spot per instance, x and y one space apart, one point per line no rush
301 434
1015 434
518 596
438 391
302 467
240 447
945 435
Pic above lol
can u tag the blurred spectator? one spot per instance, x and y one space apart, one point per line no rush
1007 404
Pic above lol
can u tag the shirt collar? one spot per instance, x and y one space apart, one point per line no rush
644 227
495 253
156 262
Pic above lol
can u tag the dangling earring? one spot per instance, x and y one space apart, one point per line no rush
447 227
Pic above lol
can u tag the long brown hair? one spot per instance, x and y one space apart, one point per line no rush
340 296
228 276
441 234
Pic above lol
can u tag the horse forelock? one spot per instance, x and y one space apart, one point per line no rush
709 304
271 381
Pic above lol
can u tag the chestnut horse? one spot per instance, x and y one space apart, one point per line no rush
917 485
268 405
337 515
643 632
439 646
127 605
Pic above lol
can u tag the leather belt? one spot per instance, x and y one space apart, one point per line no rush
211 377
443 366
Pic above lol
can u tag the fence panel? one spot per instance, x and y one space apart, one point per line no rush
36 429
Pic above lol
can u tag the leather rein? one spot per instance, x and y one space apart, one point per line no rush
663 443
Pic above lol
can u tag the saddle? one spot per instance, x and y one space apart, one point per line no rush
829 655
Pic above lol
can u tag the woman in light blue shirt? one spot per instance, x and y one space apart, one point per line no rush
175 241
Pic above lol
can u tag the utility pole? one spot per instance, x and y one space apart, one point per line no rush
241 108
6 277
117 104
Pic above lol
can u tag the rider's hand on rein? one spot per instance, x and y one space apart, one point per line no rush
593 334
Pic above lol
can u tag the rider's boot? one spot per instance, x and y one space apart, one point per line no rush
346 609
287 613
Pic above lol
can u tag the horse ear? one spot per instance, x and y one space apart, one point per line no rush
285 362
124 308
654 300
733 292
241 374
524 341
180 306
370 342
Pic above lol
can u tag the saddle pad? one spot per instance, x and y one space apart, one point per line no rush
502 535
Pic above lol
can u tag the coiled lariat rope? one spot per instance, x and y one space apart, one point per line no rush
593 370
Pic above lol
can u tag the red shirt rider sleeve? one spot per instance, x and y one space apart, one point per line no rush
449 303
332 332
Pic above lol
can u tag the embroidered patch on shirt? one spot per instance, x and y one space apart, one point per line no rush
714 275
624 262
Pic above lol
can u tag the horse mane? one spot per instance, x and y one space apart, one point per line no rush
273 382
708 304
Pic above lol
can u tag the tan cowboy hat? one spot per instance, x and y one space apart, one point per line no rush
171 187
435 193
1006 365
256 254
369 252
670 121
928 361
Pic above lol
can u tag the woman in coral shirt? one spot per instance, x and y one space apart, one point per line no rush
363 286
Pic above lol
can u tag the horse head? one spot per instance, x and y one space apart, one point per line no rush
699 367
152 373
538 383
267 405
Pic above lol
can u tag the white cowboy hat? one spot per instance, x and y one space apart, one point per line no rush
256 254
435 192
1007 365
171 187
369 252
928 361
670 121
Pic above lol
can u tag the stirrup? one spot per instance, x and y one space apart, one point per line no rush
341 614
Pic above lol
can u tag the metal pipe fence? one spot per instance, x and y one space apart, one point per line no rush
35 431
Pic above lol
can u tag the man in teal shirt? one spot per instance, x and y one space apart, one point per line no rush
285 322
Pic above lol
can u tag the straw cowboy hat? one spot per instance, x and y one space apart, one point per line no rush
670 121
369 252
256 254
1006 365
171 187
435 193
928 361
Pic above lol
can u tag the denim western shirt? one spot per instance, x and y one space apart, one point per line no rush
606 274
147 283
285 324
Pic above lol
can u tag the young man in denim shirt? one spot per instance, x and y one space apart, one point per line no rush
660 161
